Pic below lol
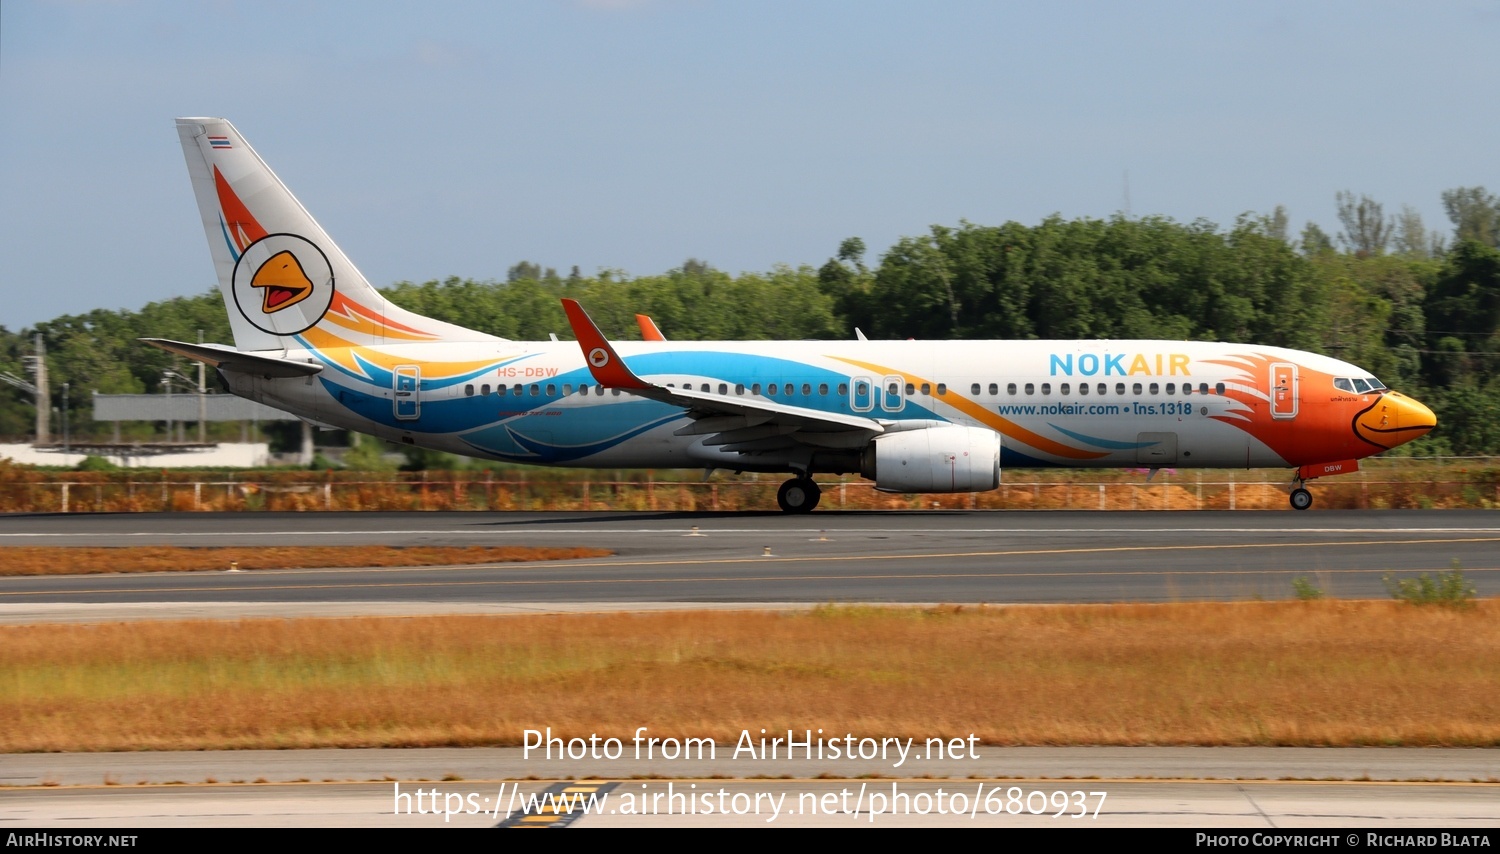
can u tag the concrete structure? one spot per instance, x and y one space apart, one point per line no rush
148 456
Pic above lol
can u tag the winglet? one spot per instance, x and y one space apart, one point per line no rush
649 331
604 363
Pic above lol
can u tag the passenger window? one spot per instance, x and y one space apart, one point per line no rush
1083 388
723 388
1065 389
469 390
926 388
1171 389
739 388
535 389
994 389
551 389
1030 389
974 389
1102 389
1218 388
910 389
1155 389
501 390
942 389
1203 388
1120 389
822 389
755 388
771 389
1046 388
790 389
1187 388
485 390
1010 388
583 389
807 390
567 388
843 389
1135 389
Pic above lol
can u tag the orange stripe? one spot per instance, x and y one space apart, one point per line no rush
236 216
332 347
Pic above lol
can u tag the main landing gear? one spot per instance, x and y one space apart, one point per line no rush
798 495
1297 493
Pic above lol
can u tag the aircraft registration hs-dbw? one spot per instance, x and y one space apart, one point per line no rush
313 337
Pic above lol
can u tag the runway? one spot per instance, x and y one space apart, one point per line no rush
753 559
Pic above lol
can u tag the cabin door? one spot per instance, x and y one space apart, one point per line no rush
1284 391
408 383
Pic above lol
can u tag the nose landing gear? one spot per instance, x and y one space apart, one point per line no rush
798 495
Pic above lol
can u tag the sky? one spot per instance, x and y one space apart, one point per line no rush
457 138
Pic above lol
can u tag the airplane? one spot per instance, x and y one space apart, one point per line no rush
314 338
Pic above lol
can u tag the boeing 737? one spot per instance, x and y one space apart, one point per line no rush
314 338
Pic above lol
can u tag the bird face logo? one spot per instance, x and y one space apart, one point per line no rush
283 284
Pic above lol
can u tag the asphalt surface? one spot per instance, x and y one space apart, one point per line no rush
755 559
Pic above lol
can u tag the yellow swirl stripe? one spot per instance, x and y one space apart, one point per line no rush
1004 426
338 350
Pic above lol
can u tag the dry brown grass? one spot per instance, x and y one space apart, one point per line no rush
1291 673
27 560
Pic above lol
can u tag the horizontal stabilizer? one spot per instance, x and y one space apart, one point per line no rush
229 359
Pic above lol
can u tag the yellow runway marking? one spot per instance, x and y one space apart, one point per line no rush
563 566
721 580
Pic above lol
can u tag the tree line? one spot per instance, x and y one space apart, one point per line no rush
1417 307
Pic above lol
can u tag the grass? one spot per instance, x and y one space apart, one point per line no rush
1324 672
23 560
1449 589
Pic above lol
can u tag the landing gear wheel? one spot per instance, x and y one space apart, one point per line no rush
798 495
1301 499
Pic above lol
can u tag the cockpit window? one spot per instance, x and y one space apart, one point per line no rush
1343 384
1377 385
1361 385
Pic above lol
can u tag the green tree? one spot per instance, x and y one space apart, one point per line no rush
1475 214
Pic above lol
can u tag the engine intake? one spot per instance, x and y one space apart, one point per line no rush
934 459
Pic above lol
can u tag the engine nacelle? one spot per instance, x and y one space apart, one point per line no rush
934 459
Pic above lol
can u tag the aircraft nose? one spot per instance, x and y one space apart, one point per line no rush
1394 419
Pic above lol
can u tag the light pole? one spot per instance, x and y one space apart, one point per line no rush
167 378
167 384
66 436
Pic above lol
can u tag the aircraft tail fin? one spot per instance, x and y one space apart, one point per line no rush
285 283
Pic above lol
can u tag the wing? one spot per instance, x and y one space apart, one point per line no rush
736 423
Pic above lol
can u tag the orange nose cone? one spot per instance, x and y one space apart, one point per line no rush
1393 419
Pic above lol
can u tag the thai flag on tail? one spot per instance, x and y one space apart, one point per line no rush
219 142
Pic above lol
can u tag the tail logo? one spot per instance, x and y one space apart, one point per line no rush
598 357
283 284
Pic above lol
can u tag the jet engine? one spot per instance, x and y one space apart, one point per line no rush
934 459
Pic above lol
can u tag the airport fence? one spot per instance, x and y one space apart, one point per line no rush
77 492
